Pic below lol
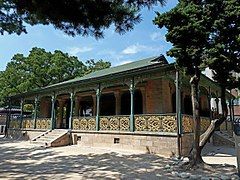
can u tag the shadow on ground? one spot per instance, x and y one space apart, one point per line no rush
41 163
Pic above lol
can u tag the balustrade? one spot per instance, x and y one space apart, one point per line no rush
43 123
84 123
187 123
156 123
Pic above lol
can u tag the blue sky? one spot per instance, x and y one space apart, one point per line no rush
145 40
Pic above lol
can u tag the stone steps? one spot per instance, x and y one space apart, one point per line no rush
223 138
50 138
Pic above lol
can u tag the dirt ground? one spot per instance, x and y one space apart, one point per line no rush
22 160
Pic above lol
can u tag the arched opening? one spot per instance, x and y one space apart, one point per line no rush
86 106
174 102
126 103
188 105
107 104
62 114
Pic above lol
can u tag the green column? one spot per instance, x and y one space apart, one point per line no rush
53 112
132 89
178 111
217 104
209 102
98 95
71 110
8 120
178 103
35 110
21 115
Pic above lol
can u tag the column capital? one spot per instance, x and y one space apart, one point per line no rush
132 86
53 97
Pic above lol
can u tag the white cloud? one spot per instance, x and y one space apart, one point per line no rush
133 49
75 50
156 36
136 48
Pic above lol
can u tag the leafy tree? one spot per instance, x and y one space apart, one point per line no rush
41 68
95 66
75 17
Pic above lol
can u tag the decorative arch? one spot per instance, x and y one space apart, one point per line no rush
126 102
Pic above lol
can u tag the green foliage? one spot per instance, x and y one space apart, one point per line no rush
223 50
41 68
95 66
205 33
188 31
75 17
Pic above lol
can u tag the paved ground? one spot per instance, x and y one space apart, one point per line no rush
22 160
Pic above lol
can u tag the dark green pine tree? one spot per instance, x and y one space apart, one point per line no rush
188 31
205 33
75 17
223 53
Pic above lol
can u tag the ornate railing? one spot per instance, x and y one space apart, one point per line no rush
84 123
15 123
156 122
28 123
43 123
144 123
115 123
187 123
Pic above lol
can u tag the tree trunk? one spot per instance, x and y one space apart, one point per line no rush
216 123
195 155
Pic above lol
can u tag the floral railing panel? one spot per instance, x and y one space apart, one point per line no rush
43 123
15 123
187 123
84 123
115 123
28 123
156 123
205 123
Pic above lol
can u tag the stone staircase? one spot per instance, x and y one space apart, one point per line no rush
223 138
53 138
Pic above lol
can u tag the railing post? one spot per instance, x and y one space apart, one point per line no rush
98 94
35 110
53 98
132 89
71 109
21 115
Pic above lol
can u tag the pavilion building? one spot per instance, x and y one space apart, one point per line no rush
144 105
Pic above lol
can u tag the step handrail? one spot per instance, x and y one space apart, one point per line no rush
34 139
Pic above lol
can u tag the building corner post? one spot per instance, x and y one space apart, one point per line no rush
21 115
132 89
35 111
178 112
8 118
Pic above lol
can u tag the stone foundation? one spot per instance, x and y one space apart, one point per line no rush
165 145
186 143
